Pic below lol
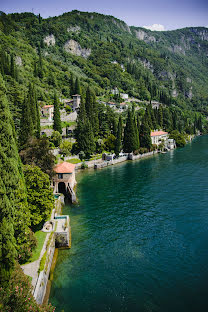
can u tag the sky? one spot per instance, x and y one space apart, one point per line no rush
153 14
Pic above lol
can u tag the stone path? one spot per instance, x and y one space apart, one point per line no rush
31 269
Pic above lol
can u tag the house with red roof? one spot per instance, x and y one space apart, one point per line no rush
158 137
64 178
47 112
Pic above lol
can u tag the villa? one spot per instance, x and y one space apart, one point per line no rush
47 112
158 136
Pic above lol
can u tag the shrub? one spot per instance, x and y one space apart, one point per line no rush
84 165
65 148
17 296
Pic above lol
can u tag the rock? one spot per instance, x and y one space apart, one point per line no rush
75 29
18 60
142 35
74 47
50 40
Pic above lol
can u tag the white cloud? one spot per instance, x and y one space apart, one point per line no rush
155 27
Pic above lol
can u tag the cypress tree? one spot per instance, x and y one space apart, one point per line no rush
26 125
130 143
89 103
56 116
77 89
37 119
136 135
144 135
114 130
88 142
72 87
14 214
95 119
160 116
118 143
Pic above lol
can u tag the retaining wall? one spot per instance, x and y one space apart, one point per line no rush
40 287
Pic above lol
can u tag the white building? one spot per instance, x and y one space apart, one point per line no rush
47 112
124 96
158 137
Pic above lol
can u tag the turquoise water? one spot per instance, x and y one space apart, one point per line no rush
139 237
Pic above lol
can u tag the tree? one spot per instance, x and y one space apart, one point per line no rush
110 143
65 148
160 116
26 125
39 194
38 153
144 135
72 86
17 295
77 89
56 138
130 142
56 116
178 137
14 212
118 142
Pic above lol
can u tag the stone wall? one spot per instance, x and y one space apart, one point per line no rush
40 287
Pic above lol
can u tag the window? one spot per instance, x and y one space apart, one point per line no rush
60 175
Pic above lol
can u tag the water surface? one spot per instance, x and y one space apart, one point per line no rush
139 237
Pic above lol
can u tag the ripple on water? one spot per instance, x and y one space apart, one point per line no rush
139 237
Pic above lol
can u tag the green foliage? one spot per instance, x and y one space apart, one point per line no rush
178 137
42 262
84 165
15 235
38 153
39 194
110 143
118 142
56 138
130 141
56 116
65 148
17 295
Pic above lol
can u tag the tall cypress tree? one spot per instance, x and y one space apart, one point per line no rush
14 213
26 124
77 86
144 135
130 142
56 115
160 116
72 87
37 119
118 143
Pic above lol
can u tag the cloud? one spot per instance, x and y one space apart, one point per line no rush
155 27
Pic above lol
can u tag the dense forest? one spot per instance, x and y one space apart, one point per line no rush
45 60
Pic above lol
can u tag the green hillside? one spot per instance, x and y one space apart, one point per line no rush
169 66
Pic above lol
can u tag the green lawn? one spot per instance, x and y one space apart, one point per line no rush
40 239
74 161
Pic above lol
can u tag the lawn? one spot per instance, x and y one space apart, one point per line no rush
40 239
74 161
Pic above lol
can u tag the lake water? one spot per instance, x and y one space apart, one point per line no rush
139 237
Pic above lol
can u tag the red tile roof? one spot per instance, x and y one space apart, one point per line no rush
64 167
47 106
156 133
